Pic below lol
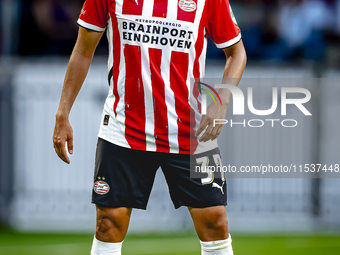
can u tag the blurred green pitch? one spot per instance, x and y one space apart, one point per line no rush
186 244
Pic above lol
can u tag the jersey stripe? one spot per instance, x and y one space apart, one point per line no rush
170 101
147 10
133 7
160 8
198 51
149 104
199 46
116 60
178 81
120 106
172 5
134 99
158 97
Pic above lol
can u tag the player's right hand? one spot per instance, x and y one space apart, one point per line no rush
63 133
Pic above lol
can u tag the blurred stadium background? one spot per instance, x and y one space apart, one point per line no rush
39 193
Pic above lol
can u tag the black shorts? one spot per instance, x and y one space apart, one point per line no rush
124 177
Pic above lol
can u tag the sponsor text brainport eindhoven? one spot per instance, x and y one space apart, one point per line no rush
157 33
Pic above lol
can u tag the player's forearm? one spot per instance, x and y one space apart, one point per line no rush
77 69
75 75
235 64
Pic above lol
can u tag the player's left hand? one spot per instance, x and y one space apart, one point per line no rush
212 132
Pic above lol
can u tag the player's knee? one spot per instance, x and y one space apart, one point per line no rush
218 224
109 230
112 224
104 225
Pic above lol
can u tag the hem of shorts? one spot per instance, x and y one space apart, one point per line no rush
204 206
119 205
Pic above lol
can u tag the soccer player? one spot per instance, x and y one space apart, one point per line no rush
151 117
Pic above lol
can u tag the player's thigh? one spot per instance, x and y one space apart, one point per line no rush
112 223
211 223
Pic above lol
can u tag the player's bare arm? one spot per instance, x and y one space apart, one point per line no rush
77 69
235 63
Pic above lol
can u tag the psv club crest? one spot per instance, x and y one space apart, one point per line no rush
187 5
101 187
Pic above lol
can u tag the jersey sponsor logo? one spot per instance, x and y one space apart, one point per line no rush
187 5
101 187
157 33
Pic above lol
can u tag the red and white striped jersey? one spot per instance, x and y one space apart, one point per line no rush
156 49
